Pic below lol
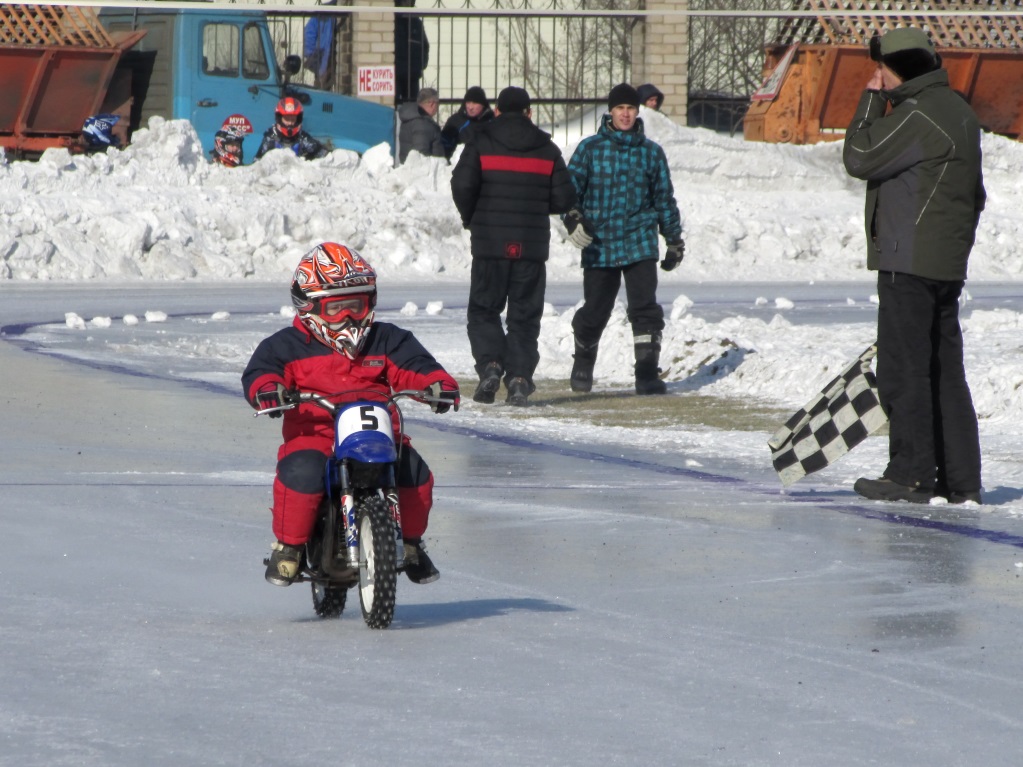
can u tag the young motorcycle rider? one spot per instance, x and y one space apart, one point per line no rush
334 346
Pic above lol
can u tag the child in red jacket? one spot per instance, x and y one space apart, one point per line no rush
334 345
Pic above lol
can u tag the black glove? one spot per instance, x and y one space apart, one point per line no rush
445 397
580 231
269 396
673 256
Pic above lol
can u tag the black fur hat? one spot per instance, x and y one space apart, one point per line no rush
907 51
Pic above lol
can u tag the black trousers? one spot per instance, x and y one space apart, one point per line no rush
495 283
600 289
921 380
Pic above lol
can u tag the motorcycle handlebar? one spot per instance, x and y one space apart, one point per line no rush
293 397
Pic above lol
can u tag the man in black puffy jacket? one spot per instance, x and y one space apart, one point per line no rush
508 181
921 160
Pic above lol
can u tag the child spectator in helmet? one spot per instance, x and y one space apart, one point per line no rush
227 147
287 133
334 346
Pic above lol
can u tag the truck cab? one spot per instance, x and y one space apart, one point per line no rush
215 67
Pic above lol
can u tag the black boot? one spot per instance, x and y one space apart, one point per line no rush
648 352
582 368
490 382
519 390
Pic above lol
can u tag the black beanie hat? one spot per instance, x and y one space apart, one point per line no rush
513 99
476 95
623 93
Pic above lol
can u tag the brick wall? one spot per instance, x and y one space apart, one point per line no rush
660 56
373 41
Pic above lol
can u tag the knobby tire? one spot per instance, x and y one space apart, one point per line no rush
378 565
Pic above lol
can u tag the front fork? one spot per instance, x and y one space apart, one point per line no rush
391 496
351 529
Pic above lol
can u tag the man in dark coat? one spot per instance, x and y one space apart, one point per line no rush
508 181
475 110
419 129
411 52
925 192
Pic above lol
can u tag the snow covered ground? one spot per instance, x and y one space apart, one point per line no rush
636 595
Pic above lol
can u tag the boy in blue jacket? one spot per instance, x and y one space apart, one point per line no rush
625 197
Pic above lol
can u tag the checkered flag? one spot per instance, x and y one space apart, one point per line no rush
844 414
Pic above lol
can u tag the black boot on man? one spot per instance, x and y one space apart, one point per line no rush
519 390
884 489
648 353
582 369
490 382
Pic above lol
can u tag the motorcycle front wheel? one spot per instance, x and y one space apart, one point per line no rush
378 564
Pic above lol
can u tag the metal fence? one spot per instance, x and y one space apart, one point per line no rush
567 63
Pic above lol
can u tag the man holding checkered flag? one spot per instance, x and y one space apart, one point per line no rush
917 144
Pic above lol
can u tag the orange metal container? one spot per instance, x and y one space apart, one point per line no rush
823 83
49 90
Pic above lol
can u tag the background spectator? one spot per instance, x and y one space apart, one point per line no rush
419 129
475 110
650 96
508 181
625 198
318 47
411 52
287 133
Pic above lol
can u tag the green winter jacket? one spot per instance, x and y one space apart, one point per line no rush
624 188
922 165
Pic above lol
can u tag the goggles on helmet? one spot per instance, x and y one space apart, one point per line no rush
353 307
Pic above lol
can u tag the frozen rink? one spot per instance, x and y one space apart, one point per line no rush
602 601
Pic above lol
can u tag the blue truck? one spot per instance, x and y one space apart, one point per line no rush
205 66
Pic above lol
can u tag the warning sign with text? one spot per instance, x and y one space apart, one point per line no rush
376 81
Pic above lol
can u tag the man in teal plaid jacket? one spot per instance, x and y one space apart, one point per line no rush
625 199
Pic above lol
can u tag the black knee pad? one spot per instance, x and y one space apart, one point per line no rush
302 471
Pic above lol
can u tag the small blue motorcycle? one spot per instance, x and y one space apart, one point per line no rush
357 538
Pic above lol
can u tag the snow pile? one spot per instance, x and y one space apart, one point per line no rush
158 210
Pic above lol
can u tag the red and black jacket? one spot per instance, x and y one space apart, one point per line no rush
508 181
391 359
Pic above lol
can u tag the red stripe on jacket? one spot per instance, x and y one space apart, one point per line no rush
489 162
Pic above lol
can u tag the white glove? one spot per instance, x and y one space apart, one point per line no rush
576 227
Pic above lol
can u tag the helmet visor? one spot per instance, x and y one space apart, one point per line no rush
353 307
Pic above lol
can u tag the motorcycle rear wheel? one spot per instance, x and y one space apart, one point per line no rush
378 565
329 599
